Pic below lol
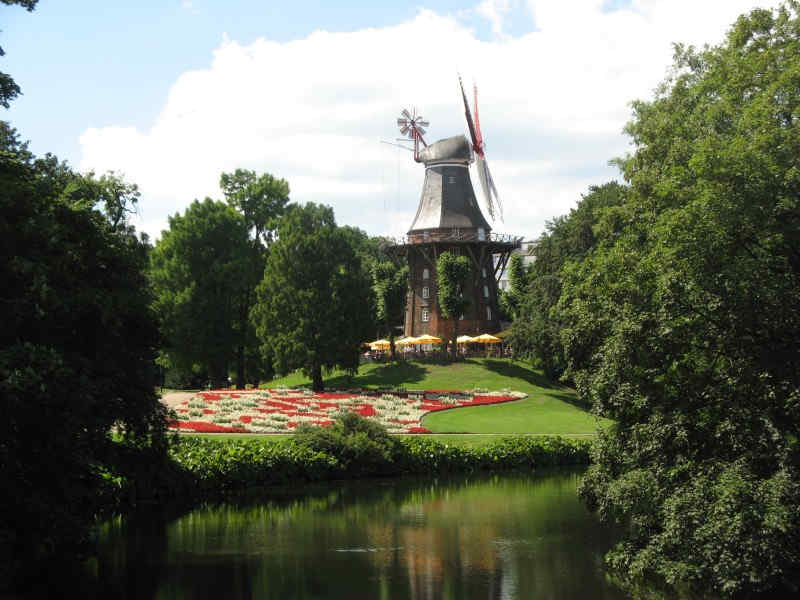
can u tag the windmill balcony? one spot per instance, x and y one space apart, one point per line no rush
456 235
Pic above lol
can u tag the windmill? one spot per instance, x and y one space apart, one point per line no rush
490 196
413 126
449 219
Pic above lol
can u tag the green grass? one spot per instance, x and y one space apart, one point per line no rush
550 409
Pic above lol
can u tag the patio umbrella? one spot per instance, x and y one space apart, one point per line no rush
379 344
485 338
464 339
405 341
428 339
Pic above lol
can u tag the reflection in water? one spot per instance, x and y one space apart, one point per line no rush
495 537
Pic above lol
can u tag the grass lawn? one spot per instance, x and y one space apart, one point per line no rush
550 409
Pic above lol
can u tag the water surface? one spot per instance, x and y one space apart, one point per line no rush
482 537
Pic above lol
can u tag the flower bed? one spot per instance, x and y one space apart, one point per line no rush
282 410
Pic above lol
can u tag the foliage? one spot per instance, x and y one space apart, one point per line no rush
536 330
511 299
684 326
451 276
361 446
8 87
261 200
390 285
206 466
77 352
199 270
312 307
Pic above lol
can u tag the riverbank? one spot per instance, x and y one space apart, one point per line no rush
197 468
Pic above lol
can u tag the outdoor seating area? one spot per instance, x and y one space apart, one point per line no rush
431 346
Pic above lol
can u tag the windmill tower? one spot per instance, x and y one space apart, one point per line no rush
449 219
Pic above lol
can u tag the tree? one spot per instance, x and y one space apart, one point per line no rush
537 328
311 308
511 299
451 274
261 200
685 329
199 270
8 87
77 352
390 284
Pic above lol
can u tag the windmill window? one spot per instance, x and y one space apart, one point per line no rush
426 274
481 234
425 315
486 291
488 313
426 292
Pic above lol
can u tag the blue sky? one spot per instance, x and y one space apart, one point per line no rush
92 63
172 93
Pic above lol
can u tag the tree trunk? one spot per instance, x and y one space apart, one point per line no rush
455 339
391 344
316 378
240 369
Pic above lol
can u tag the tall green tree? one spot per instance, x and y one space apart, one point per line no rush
512 298
199 270
686 328
312 307
537 328
390 284
261 199
77 352
451 278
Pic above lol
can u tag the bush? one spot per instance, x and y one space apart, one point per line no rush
361 446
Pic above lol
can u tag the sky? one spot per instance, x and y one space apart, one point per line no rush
172 93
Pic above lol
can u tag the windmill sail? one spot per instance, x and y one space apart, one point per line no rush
490 196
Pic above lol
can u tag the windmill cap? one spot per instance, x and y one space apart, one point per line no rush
454 149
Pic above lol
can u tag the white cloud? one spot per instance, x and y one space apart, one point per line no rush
553 104
495 12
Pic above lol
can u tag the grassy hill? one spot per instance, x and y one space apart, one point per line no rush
549 409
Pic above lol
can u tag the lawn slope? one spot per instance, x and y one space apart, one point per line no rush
549 409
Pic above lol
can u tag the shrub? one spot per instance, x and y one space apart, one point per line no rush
363 447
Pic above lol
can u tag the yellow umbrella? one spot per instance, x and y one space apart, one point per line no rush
379 344
428 339
406 340
485 338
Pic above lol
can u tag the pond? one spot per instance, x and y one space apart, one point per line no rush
482 537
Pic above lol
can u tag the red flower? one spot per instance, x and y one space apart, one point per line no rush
365 410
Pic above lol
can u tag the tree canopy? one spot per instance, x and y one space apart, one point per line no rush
683 324
536 327
8 87
199 270
452 272
77 351
312 307
261 200
390 285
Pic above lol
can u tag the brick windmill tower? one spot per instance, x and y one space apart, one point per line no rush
449 219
